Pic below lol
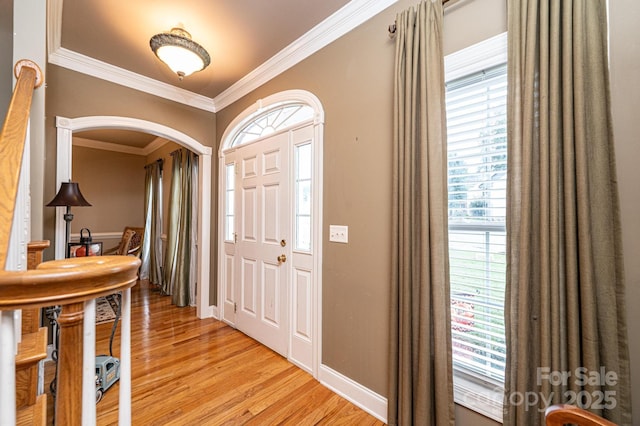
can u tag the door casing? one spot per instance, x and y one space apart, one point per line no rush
317 125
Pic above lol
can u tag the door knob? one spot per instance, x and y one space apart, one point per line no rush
282 258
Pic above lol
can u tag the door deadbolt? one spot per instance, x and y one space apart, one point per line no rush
283 243
282 258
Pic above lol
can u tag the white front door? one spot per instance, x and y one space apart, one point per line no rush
262 206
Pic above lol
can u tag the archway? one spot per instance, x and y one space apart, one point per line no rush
66 127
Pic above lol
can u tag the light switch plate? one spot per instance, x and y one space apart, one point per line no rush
339 233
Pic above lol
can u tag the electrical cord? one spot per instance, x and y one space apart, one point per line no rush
118 297
52 314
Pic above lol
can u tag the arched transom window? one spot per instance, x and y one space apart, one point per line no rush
276 118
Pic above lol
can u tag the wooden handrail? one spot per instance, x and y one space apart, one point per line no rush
66 281
563 414
12 139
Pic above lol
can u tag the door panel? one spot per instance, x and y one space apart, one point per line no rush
302 309
264 221
248 286
272 212
270 308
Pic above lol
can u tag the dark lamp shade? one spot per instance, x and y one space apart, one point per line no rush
69 195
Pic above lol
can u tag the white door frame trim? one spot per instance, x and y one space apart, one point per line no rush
248 114
66 127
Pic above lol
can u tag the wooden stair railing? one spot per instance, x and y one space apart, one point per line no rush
74 284
12 145
12 142
71 283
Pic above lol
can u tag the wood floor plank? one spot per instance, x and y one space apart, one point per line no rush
187 371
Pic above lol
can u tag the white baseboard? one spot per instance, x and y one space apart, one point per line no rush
354 392
208 312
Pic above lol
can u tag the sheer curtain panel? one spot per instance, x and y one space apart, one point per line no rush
152 244
180 255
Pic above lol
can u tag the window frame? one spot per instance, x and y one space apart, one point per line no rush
229 207
277 118
475 391
297 202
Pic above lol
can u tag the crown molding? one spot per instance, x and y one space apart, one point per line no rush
114 147
95 68
54 25
335 26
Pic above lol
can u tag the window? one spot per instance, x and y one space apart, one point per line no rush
477 172
302 158
229 225
276 118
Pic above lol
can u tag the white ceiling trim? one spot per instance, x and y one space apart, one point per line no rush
335 26
114 147
84 64
54 26
341 22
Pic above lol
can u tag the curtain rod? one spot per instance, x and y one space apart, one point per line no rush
392 27
159 160
180 149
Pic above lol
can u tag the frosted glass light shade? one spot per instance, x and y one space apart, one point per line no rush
183 55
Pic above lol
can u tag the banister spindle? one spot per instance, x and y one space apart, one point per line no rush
124 414
7 369
89 364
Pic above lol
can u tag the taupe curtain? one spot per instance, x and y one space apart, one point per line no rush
421 386
180 255
565 305
151 255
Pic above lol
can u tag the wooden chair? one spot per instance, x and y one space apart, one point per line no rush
562 414
130 244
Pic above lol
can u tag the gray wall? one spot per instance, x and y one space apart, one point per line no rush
113 182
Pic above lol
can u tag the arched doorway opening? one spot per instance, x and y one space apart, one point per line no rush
65 129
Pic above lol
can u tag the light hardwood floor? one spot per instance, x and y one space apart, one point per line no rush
187 371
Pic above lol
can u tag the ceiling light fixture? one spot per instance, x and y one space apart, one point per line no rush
176 49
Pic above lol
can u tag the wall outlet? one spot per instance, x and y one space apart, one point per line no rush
339 233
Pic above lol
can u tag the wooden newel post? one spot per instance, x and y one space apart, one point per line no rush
69 382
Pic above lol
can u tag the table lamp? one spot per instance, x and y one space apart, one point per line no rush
68 195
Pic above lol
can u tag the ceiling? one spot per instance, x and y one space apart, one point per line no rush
239 35
249 41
